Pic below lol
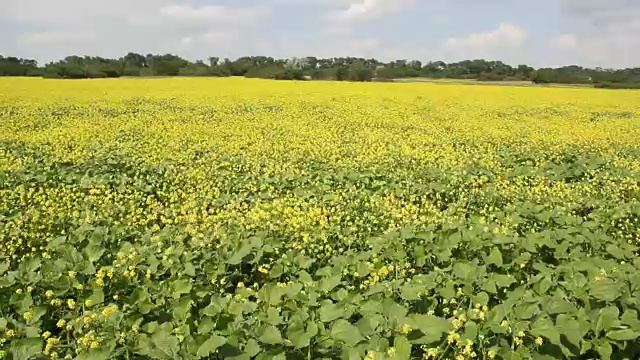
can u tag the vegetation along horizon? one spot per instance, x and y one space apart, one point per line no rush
187 218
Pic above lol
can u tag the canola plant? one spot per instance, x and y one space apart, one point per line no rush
233 218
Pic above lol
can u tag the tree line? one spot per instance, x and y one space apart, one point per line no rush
337 68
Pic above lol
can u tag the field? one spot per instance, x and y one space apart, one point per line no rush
491 83
232 218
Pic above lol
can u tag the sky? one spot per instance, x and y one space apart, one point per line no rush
594 33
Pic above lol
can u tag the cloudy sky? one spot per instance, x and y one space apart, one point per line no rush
541 33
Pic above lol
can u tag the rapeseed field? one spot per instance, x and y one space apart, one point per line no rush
234 218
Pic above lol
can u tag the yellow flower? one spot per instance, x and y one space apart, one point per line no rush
71 304
49 294
46 334
406 329
61 323
539 341
491 354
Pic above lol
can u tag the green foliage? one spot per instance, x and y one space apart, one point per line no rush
531 254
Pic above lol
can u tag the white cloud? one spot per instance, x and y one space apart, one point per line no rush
52 29
565 41
202 16
613 41
506 35
365 10
57 37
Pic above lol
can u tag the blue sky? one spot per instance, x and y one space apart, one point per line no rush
542 33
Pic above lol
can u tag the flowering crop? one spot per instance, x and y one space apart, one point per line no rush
234 218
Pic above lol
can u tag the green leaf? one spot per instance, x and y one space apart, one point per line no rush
37 314
569 327
182 286
237 256
623 335
607 319
393 311
463 270
503 280
189 269
604 349
606 290
411 292
328 284
329 312
96 354
4 266
270 335
25 349
557 305
526 311
3 324
181 309
210 345
403 348
630 317
544 327
97 297
167 346
482 299
432 327
300 338
94 251
252 348
205 326
342 330
495 257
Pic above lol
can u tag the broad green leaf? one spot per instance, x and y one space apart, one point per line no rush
557 305
495 257
544 327
464 270
167 346
342 330
96 354
607 319
206 325
37 314
432 327
482 299
604 350
329 312
630 317
393 311
182 286
3 324
252 348
97 297
210 345
329 283
189 269
411 292
570 328
503 280
402 348
270 335
526 311
25 349
181 309
623 335
4 266
239 254
94 251
605 290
